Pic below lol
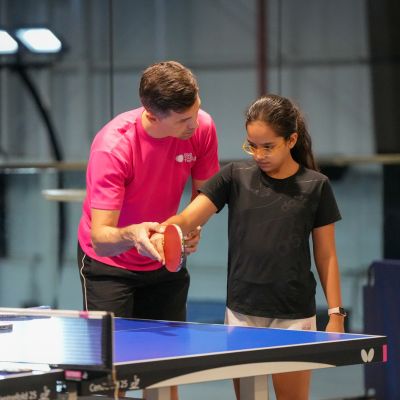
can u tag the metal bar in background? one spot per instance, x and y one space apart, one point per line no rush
261 15
334 160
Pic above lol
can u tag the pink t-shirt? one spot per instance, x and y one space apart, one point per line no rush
143 177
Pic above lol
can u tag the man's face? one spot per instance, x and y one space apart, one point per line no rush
180 125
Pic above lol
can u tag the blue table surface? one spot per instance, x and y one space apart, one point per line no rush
141 340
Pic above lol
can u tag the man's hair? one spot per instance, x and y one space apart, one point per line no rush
168 86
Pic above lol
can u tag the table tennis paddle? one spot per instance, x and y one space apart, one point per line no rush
174 248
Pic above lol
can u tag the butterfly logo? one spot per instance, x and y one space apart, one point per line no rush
367 356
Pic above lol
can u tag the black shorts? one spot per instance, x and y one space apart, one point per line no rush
158 294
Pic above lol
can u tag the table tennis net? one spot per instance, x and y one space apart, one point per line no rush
59 338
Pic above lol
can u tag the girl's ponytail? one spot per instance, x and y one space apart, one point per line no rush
302 151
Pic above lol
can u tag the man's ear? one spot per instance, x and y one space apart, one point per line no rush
151 116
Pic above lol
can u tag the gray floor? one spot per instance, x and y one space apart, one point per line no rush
328 384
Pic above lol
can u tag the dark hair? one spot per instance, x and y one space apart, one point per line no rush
284 118
168 86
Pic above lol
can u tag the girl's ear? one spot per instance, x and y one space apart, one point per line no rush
293 139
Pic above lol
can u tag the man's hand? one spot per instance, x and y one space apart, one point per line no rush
140 235
157 240
192 240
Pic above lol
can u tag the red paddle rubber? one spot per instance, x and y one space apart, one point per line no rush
174 249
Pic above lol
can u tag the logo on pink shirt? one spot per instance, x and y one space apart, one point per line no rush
185 157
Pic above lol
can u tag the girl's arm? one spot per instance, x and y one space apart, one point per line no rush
328 271
197 213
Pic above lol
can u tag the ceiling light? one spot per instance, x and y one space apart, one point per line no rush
7 44
39 40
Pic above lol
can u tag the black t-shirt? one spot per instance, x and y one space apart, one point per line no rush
270 221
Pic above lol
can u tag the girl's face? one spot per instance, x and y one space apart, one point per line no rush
270 151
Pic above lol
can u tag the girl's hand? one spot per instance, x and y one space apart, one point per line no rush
335 324
192 240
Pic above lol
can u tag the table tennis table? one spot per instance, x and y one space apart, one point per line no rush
93 353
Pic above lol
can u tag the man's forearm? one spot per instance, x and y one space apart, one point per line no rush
110 241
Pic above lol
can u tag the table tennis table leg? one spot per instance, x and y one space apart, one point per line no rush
254 388
163 393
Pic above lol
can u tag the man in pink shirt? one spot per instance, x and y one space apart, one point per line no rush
138 166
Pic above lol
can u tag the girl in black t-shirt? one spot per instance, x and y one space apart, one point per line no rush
276 201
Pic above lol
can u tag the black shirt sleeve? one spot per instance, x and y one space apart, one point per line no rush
327 211
218 188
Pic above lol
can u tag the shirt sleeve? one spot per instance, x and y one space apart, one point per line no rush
107 176
207 163
218 188
327 211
